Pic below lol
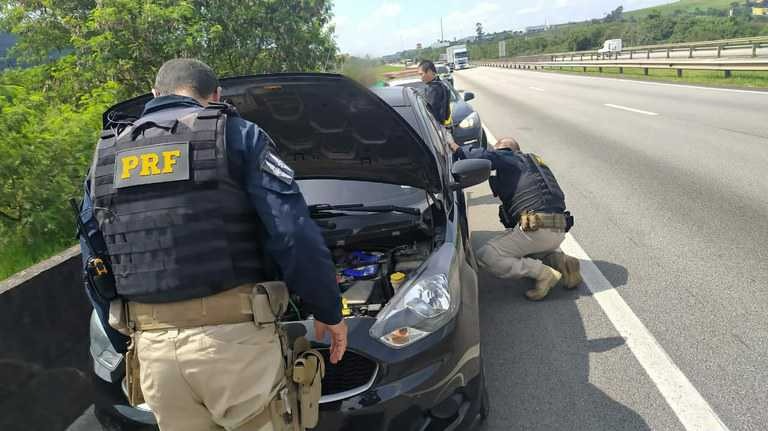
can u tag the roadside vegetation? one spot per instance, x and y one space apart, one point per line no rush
683 21
75 58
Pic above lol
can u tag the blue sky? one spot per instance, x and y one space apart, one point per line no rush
379 27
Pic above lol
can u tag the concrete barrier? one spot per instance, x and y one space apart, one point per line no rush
44 359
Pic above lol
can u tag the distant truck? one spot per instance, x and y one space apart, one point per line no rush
611 46
457 56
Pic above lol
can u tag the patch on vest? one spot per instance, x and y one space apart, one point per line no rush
273 165
154 164
539 160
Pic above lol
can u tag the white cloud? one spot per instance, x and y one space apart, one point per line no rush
387 10
461 23
530 10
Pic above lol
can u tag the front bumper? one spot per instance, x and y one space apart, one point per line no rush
432 385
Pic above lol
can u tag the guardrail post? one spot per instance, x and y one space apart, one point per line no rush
600 69
590 57
585 68
690 52
648 54
679 73
621 70
582 57
631 54
754 50
645 71
668 52
719 50
727 73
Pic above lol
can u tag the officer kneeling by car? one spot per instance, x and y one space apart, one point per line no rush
194 215
533 211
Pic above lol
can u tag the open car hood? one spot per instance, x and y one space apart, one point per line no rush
325 126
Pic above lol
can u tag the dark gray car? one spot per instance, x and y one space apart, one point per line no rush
380 182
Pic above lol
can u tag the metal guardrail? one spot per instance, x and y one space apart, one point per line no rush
719 46
727 66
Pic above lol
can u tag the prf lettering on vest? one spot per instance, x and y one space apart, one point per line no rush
162 163
147 164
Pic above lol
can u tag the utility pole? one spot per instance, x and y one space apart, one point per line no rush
442 36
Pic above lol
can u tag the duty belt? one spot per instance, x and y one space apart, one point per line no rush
532 221
238 305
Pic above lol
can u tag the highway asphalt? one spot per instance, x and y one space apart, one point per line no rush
668 186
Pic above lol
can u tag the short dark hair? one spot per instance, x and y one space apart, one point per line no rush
186 74
427 65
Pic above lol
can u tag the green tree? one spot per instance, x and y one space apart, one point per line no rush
81 56
125 41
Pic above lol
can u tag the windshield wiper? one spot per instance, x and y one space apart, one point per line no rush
325 208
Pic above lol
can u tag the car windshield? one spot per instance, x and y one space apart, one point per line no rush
442 69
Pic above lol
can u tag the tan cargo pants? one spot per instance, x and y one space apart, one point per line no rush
504 255
219 377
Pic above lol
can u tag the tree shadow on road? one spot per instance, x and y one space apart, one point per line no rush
536 356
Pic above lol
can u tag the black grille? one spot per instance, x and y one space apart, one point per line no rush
351 372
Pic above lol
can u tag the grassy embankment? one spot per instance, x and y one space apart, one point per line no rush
16 256
740 79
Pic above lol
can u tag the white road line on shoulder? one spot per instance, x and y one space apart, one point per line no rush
536 88
624 108
691 408
491 138
693 411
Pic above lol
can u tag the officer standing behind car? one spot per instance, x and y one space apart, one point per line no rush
534 213
195 208
437 94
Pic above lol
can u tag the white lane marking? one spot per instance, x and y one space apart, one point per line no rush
536 88
691 408
624 108
491 138
693 411
635 81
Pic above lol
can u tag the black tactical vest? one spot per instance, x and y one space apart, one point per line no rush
174 213
530 186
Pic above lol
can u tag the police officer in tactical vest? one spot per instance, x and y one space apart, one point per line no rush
534 213
437 94
198 215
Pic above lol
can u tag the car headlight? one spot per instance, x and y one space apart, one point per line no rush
470 121
417 310
104 354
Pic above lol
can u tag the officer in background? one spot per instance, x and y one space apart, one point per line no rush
437 94
195 209
534 213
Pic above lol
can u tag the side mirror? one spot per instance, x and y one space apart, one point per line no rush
471 172
468 95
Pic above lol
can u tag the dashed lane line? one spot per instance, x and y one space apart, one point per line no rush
624 108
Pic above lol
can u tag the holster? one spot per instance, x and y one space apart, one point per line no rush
308 373
133 374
